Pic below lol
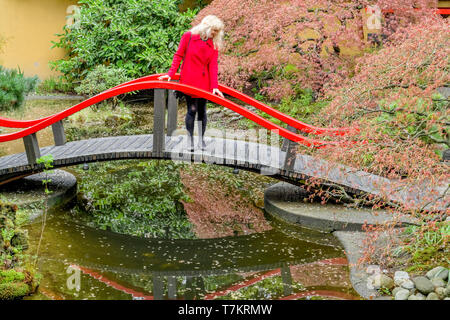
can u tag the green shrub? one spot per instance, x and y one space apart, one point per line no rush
54 85
13 88
301 106
101 79
137 36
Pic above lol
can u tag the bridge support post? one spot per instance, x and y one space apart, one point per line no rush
290 148
58 133
159 122
286 141
172 287
190 288
287 280
31 148
172 113
158 286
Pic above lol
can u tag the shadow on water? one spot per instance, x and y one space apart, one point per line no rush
80 262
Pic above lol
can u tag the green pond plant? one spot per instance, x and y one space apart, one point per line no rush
47 162
141 198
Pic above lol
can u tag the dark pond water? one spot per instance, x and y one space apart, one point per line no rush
79 262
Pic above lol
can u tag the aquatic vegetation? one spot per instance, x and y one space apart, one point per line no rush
132 197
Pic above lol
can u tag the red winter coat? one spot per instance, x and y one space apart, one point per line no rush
199 67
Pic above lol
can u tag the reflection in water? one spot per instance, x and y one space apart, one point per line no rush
79 262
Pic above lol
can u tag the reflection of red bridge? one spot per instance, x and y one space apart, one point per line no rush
113 284
233 288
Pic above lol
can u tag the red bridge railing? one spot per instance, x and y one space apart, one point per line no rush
33 126
4 122
30 127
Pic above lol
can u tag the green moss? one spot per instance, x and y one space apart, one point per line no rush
14 284
14 290
7 276
424 254
20 239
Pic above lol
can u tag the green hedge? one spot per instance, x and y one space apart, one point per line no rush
137 36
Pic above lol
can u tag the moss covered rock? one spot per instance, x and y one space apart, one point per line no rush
13 290
15 283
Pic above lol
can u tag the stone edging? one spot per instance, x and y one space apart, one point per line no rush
63 186
285 202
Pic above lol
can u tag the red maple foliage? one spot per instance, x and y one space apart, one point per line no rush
388 91
298 43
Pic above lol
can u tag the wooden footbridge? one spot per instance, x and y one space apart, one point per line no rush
283 163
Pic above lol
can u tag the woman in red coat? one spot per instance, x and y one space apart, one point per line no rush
199 49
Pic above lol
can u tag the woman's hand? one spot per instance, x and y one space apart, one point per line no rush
217 91
164 77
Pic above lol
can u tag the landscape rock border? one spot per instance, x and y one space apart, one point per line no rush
63 186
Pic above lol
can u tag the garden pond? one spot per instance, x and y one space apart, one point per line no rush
80 262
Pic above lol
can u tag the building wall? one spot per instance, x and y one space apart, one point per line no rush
28 27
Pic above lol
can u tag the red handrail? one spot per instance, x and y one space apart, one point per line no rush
307 128
4 122
166 85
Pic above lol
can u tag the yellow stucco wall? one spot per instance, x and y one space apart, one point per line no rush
28 27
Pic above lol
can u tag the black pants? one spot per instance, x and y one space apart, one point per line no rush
195 106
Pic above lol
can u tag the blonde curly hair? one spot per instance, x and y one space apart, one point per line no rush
206 27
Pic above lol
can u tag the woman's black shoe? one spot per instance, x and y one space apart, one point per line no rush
202 145
191 145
